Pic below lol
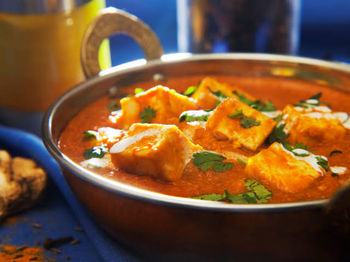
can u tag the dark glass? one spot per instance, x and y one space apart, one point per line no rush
268 26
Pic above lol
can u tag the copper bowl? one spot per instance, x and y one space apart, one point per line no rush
167 228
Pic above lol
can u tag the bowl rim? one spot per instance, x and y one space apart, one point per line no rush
158 198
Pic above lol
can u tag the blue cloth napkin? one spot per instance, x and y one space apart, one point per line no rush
29 145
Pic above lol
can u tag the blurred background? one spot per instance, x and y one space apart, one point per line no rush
324 28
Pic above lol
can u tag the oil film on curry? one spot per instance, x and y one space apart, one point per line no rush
220 139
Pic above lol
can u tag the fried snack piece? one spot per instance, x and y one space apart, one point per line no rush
21 183
162 103
238 122
311 127
160 151
277 166
210 91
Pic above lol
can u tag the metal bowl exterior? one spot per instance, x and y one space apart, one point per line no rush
167 228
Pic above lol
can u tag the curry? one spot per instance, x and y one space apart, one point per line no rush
233 139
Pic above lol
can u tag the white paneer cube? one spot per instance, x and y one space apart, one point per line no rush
311 127
210 91
238 122
160 151
281 168
157 105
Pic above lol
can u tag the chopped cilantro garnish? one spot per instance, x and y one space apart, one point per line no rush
261 193
310 102
147 114
278 135
266 106
190 90
299 149
243 198
262 106
248 122
238 113
317 96
195 115
95 152
257 193
323 162
212 197
205 160
113 106
221 97
298 145
278 118
245 121
218 93
335 152
138 91
90 134
243 99
241 161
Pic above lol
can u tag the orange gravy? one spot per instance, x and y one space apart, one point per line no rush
195 182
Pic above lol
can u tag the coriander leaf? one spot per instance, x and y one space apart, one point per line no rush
317 96
222 166
195 115
300 104
95 152
138 91
262 106
248 122
205 160
269 107
205 156
250 184
250 197
241 161
218 93
257 193
299 149
310 101
300 145
190 90
278 135
147 114
261 193
113 106
243 99
322 162
278 118
212 197
90 134
236 199
238 113
221 97
335 152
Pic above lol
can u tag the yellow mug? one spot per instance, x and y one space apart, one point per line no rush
40 44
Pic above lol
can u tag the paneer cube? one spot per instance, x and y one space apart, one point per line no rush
210 91
311 126
160 151
192 129
157 105
278 167
238 122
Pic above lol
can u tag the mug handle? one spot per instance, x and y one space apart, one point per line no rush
111 21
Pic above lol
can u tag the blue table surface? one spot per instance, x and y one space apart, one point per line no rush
54 213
